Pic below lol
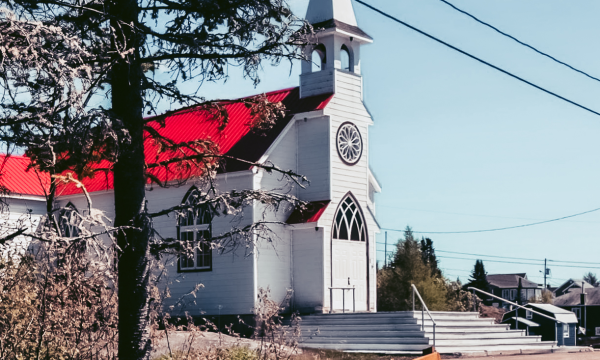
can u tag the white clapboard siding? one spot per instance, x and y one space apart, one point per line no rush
308 265
231 283
274 263
347 105
314 158
23 213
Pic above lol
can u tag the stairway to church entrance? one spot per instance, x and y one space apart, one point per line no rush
403 333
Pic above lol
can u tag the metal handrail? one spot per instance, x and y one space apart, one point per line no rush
353 288
423 309
516 311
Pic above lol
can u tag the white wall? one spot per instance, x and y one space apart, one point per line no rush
309 281
24 212
347 105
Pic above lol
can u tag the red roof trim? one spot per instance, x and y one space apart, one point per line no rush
236 140
313 212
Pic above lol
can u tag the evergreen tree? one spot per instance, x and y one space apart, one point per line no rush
394 290
428 255
591 279
478 277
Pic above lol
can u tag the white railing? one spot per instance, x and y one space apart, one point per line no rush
423 309
556 321
344 289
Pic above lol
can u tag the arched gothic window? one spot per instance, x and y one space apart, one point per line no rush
195 233
318 58
69 221
346 59
349 223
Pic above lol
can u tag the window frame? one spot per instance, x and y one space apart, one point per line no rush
577 312
528 315
506 294
195 228
356 217
565 331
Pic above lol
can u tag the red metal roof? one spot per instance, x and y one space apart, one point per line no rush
236 139
18 179
312 213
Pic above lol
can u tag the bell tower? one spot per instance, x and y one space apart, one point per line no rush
337 46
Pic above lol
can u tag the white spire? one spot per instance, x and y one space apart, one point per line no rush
323 10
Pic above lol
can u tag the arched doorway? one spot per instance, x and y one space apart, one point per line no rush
349 255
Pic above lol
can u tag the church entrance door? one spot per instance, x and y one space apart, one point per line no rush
349 269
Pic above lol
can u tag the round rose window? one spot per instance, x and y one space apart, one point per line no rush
349 143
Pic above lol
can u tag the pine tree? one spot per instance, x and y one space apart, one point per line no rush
394 290
478 278
428 255
591 279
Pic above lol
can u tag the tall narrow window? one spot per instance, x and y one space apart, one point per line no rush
69 221
349 223
195 233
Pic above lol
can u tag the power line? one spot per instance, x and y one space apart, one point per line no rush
477 59
519 41
498 229
521 263
513 258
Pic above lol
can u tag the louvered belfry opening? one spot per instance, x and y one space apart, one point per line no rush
349 223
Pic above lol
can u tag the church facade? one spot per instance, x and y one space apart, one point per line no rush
325 254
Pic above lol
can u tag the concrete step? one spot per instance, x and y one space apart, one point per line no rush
524 340
357 321
369 347
458 322
384 327
381 340
363 334
541 346
479 335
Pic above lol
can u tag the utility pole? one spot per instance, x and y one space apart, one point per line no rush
545 272
385 260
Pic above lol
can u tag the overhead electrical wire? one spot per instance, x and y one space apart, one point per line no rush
477 59
519 41
497 229
522 263
507 257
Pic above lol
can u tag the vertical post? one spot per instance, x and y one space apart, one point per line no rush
353 299
343 301
413 291
433 334
474 300
331 300
545 272
517 318
556 331
423 317
385 259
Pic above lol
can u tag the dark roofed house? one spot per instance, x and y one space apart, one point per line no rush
570 285
586 307
512 287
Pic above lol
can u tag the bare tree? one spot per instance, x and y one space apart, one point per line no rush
77 78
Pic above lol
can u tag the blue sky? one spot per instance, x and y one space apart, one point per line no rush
458 146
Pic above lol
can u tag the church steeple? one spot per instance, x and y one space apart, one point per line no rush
340 10
337 46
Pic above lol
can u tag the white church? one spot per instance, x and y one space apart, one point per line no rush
325 255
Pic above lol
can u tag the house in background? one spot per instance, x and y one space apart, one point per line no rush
512 287
570 285
540 325
586 307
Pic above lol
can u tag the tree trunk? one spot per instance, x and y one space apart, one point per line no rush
129 186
